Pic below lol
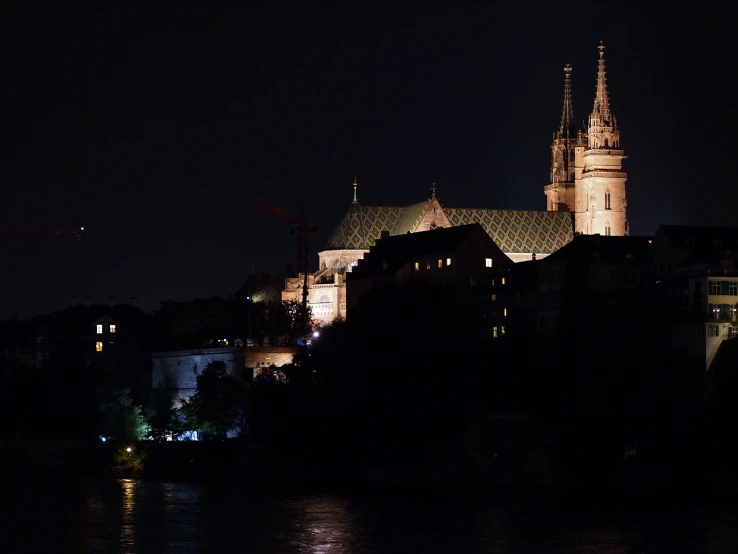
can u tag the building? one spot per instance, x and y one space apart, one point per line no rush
456 258
600 270
697 271
586 196
587 177
259 358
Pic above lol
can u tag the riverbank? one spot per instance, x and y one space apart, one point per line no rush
266 467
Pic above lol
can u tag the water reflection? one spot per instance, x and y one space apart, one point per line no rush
127 538
132 517
326 525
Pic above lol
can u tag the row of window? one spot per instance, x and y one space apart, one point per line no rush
721 311
496 333
100 328
416 266
725 288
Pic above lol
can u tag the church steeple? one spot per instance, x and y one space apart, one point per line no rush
600 200
355 200
601 109
566 128
602 131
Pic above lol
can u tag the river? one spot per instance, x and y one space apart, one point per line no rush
127 516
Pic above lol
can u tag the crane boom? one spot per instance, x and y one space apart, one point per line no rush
302 232
77 233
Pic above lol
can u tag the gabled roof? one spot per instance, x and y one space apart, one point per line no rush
391 253
519 230
512 230
700 237
598 248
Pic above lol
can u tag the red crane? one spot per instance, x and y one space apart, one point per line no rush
302 232
77 233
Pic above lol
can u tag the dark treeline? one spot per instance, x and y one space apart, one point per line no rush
400 381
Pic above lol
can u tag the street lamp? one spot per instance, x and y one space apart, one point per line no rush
249 340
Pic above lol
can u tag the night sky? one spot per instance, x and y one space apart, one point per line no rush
156 128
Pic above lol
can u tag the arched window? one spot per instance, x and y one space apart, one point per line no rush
607 200
606 144
607 229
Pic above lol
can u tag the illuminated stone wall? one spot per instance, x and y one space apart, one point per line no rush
179 370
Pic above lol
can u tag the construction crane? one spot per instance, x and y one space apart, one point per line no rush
302 232
77 233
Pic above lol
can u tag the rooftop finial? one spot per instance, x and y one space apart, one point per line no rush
433 192
602 100
355 200
567 113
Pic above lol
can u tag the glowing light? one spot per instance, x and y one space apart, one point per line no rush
81 228
104 439
128 449
316 334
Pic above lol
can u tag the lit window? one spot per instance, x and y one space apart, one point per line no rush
494 297
112 328
448 261
417 266
488 262
733 288
440 263
504 312
98 346
427 264
99 328
494 332
502 330
503 280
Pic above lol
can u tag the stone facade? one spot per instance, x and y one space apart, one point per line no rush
587 176
178 370
259 357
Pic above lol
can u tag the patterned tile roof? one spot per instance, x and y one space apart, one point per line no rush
363 225
512 230
518 230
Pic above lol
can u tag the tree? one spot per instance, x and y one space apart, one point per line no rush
288 322
162 416
121 418
219 402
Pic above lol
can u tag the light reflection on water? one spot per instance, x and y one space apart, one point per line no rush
126 516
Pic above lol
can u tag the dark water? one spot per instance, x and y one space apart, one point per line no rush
129 516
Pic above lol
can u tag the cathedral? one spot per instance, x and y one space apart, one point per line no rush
585 195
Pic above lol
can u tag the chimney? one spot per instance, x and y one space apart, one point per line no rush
384 235
134 301
87 301
73 300
111 300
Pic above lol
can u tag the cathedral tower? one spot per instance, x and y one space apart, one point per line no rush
567 152
600 202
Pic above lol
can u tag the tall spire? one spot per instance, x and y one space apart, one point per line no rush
567 113
602 100
355 200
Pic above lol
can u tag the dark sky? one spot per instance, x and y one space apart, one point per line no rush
156 128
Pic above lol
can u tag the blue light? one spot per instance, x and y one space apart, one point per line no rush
104 439
316 334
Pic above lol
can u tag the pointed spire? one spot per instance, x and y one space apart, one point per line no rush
355 200
602 100
433 192
567 113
